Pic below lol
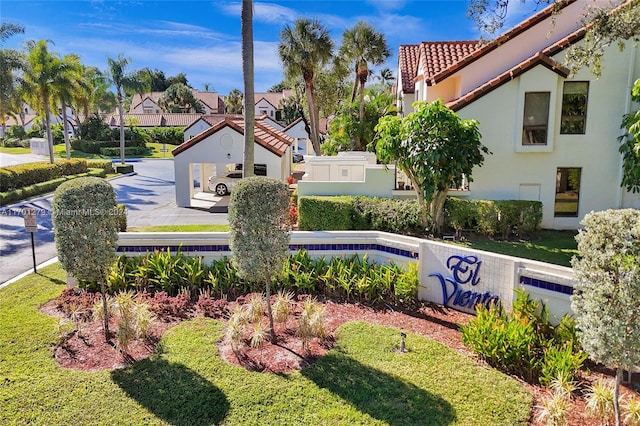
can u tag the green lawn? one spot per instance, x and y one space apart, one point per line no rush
556 247
60 152
362 381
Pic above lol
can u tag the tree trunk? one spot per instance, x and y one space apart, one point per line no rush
121 114
47 121
272 334
105 308
437 211
65 127
616 395
249 98
313 117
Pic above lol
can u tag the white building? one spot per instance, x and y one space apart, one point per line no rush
553 136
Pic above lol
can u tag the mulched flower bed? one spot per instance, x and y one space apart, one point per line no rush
87 350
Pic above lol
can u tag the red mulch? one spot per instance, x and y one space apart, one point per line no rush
87 349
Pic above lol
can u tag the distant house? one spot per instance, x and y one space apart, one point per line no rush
268 104
205 122
222 146
553 136
148 103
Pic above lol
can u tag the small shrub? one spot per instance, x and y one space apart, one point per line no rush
63 331
599 400
311 323
259 335
631 411
143 318
555 410
282 306
210 307
254 308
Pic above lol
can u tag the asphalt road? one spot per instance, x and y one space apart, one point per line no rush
149 195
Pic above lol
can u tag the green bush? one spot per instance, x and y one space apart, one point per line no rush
121 217
106 165
524 342
22 175
325 213
502 218
95 147
42 187
167 135
364 213
128 151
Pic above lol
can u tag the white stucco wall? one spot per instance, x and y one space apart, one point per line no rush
195 129
378 182
263 107
514 171
301 136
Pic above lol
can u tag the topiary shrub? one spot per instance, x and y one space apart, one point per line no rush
324 213
259 230
83 215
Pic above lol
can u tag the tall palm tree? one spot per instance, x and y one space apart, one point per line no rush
43 74
10 61
363 46
70 85
249 97
123 79
305 48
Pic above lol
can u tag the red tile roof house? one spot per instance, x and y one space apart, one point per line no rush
222 145
553 135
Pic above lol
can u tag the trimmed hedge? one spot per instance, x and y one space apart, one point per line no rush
42 187
168 135
22 175
362 213
106 165
95 147
502 218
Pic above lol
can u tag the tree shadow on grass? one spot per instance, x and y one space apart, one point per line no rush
382 396
173 392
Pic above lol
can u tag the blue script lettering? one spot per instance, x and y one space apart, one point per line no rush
464 270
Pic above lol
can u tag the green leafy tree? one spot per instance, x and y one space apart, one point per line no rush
305 48
610 24
85 230
259 230
123 79
606 293
435 148
363 46
178 78
233 102
630 146
43 74
279 87
94 96
249 94
11 61
347 126
179 98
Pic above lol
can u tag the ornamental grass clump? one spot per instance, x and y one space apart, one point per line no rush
600 400
311 323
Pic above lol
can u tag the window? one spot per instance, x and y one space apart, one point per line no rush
567 191
536 118
147 110
574 107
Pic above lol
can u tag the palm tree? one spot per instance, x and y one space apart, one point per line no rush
233 102
70 85
249 99
10 61
123 80
44 73
303 49
386 76
363 45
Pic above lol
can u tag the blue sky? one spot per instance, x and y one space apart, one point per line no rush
202 38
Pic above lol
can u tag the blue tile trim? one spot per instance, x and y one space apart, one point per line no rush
294 247
547 285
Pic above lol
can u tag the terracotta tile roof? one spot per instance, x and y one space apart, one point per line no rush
211 99
437 57
270 138
157 120
494 44
273 98
10 121
408 64
524 66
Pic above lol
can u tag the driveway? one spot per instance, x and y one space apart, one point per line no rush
149 195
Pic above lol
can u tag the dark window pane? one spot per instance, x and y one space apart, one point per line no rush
574 107
567 191
536 118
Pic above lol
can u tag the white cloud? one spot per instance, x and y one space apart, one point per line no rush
262 12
